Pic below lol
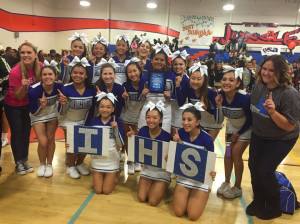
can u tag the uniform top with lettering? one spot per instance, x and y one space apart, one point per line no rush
120 71
117 135
36 91
203 140
118 91
133 92
79 108
183 85
287 102
65 71
163 136
238 111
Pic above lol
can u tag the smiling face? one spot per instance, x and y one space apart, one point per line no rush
196 80
159 62
27 55
99 50
121 47
144 49
78 74
229 83
179 66
77 48
133 73
106 108
48 76
108 76
153 119
189 122
267 74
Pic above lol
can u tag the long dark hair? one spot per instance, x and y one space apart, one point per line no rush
280 70
87 82
138 67
84 47
203 91
105 56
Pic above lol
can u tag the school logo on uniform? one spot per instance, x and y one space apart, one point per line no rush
88 140
190 162
147 151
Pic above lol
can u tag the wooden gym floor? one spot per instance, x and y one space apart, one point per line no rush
60 199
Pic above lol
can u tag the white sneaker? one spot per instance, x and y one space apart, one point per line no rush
73 173
28 167
224 187
20 169
137 167
131 167
83 169
41 171
4 142
232 193
48 171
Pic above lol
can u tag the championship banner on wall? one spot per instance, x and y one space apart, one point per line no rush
196 30
190 162
88 140
147 151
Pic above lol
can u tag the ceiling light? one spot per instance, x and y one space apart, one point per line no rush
151 5
228 7
85 3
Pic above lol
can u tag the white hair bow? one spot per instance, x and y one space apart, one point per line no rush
183 54
110 61
110 96
238 72
132 60
52 63
100 39
144 40
162 47
81 36
83 61
198 66
159 105
198 106
123 37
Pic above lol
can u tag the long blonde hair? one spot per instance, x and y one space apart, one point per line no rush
36 66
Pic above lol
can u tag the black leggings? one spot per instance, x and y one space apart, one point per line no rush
264 158
19 122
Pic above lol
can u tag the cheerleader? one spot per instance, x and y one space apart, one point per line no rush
43 115
236 107
143 52
77 100
107 83
197 90
159 83
153 181
133 105
181 81
191 196
121 55
105 168
78 49
99 51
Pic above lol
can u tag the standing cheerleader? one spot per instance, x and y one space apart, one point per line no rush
77 99
159 83
107 84
105 168
133 103
197 90
181 82
121 55
154 181
236 107
99 51
143 52
78 49
43 114
191 196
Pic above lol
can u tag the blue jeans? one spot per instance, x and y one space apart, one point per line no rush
19 122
